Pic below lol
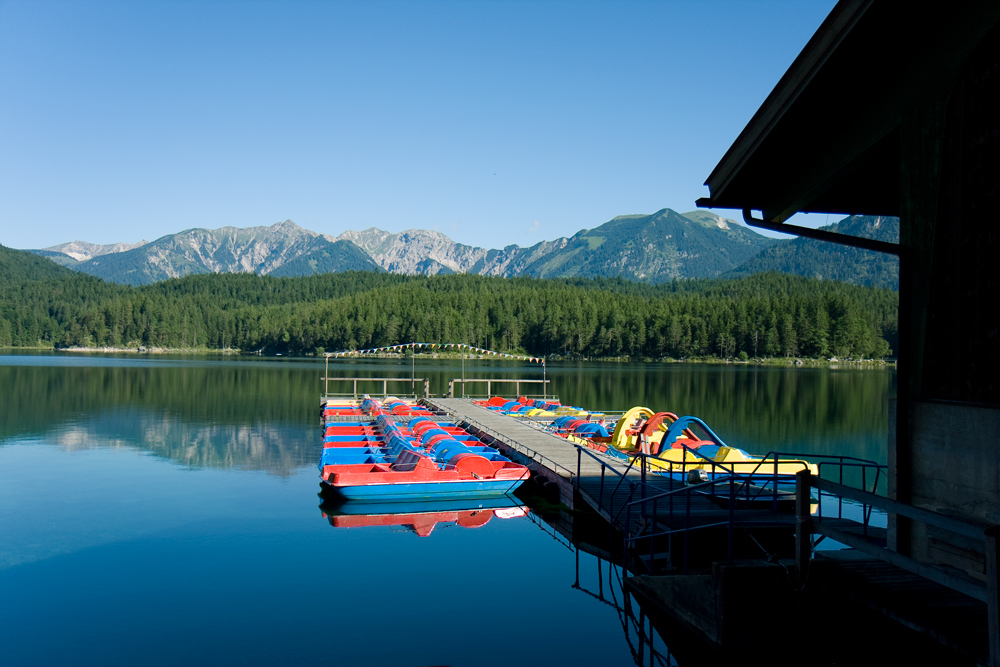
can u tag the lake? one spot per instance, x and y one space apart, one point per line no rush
163 510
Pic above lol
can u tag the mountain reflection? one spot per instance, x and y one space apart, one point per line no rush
256 418
274 448
263 414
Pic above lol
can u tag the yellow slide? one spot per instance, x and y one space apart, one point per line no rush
620 439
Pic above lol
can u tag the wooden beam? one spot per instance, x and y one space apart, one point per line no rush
969 587
964 527
823 235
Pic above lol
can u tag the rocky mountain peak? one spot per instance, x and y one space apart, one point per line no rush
656 247
81 251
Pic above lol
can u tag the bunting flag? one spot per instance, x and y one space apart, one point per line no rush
459 346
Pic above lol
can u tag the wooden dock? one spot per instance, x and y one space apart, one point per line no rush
545 454
705 528
602 482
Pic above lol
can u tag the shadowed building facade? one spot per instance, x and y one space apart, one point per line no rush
895 110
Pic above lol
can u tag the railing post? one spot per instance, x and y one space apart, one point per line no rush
579 456
840 502
652 531
774 485
600 499
427 388
730 529
687 529
642 474
625 535
489 388
803 537
451 389
993 594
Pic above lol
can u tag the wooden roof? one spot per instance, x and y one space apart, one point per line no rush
827 138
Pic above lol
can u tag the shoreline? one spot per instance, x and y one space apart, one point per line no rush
784 362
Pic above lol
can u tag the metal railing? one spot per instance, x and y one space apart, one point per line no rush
656 508
864 467
489 382
385 385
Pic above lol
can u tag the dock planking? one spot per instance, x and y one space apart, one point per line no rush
600 483
546 454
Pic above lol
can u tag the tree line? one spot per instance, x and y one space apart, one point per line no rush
765 315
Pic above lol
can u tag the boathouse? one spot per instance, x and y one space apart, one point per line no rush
894 109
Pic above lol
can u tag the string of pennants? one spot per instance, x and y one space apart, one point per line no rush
437 346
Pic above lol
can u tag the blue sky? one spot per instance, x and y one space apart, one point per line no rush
493 122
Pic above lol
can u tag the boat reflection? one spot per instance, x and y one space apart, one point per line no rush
422 517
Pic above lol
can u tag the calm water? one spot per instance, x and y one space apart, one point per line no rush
163 511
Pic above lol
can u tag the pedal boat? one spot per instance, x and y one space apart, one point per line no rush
674 447
382 462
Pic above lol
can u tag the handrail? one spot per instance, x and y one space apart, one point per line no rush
954 579
584 449
489 385
867 508
623 476
384 381
966 527
737 475
347 379
726 475
684 489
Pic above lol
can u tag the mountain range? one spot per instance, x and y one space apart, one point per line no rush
654 248
818 259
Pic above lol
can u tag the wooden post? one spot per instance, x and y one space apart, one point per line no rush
803 519
427 388
451 389
993 595
326 378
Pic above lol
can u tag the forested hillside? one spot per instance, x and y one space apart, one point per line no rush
762 315
830 261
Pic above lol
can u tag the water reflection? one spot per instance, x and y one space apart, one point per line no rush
95 433
261 414
207 414
644 642
599 576
422 518
275 447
